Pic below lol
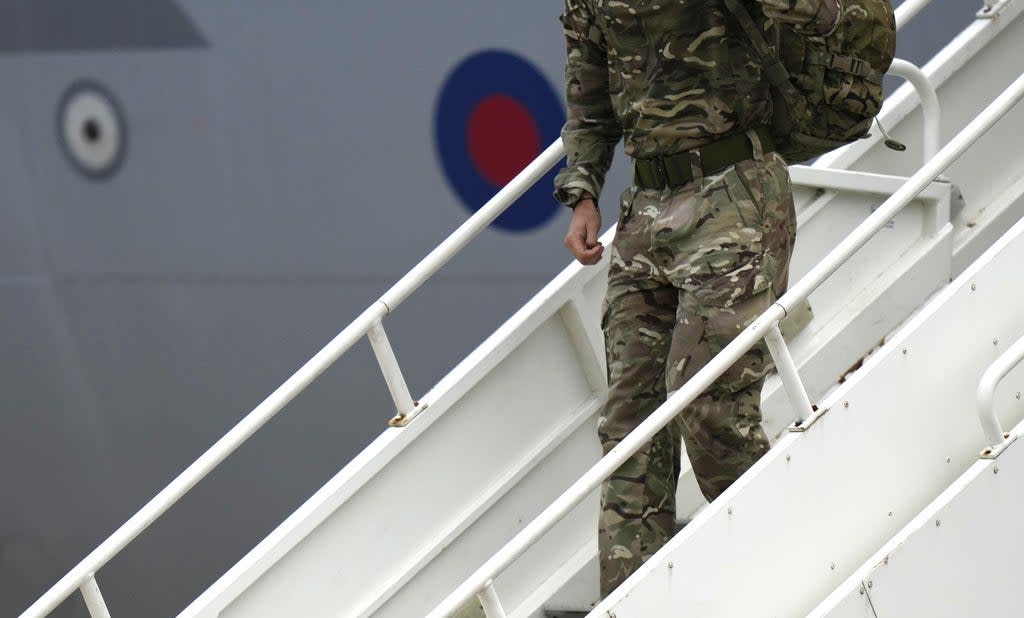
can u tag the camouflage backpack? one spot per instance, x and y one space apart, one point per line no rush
826 89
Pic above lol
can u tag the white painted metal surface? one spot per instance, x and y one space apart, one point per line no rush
872 293
959 557
821 502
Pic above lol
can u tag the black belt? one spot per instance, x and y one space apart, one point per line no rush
676 170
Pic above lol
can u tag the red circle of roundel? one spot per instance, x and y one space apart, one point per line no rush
495 114
503 138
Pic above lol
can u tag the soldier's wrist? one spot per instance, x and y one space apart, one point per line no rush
585 198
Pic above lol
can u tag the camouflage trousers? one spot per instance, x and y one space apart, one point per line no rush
690 268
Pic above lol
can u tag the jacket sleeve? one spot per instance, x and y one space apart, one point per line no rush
813 16
591 130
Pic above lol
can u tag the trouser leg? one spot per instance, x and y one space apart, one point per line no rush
750 234
722 427
638 500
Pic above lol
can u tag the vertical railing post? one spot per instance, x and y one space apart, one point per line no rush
999 369
404 404
930 109
790 378
489 599
94 598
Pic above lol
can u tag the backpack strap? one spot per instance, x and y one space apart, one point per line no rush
772 66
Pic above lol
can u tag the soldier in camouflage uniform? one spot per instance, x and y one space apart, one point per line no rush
693 263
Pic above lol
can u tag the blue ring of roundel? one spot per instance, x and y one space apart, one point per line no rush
485 74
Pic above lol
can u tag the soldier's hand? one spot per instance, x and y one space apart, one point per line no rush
581 240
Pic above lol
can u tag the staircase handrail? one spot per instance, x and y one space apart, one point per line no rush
765 326
82 576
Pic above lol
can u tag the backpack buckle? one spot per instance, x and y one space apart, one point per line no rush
860 68
849 64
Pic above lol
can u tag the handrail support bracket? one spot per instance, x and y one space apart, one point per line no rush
405 405
806 413
993 8
993 452
802 425
401 420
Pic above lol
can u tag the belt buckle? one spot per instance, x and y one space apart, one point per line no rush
662 175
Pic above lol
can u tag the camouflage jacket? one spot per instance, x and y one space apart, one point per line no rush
666 75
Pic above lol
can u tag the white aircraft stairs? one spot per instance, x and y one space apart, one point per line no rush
872 502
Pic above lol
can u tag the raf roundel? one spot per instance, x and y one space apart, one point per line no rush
495 115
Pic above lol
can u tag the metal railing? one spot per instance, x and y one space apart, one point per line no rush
370 324
930 110
765 326
995 437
